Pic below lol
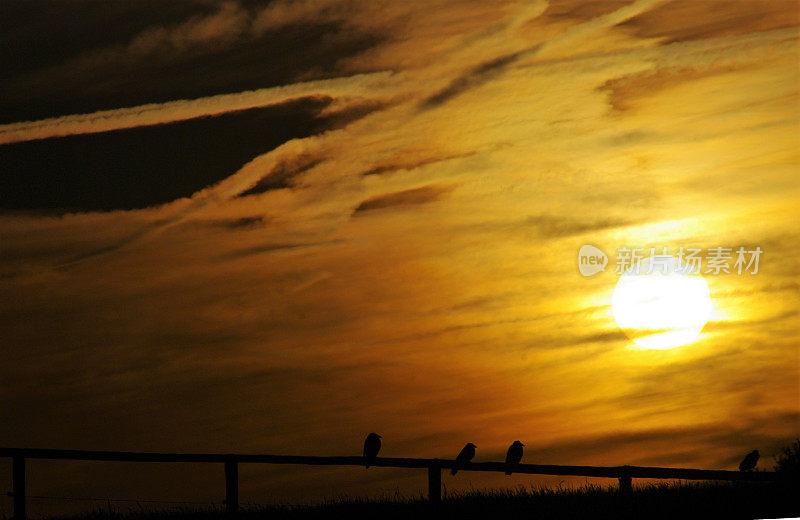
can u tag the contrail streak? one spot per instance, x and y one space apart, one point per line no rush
181 110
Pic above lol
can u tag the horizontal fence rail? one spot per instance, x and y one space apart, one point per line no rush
625 474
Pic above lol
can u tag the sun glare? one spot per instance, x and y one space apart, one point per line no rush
661 303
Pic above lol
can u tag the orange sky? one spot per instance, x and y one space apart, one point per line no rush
412 270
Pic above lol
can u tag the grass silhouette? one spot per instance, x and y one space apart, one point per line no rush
663 500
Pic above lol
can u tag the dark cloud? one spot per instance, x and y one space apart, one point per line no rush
407 163
633 137
414 196
282 175
40 33
168 61
244 222
767 288
275 246
146 166
625 91
472 79
721 442
733 324
686 20
340 118
554 226
548 226
578 10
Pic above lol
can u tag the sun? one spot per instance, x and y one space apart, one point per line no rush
661 303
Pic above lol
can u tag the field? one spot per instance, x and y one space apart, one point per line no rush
677 500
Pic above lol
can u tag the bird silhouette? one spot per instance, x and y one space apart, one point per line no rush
464 456
372 445
749 462
514 455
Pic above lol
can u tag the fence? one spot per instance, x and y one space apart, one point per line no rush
625 474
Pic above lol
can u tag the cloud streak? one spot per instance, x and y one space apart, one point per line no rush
160 113
410 197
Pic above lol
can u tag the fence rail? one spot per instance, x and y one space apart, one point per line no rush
231 462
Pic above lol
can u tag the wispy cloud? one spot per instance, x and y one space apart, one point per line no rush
686 20
410 197
160 113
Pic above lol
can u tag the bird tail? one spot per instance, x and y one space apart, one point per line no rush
453 471
508 472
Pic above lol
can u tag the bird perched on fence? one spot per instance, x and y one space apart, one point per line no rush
749 462
372 445
464 456
514 455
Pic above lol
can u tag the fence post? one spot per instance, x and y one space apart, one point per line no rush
18 481
626 493
625 484
231 486
435 483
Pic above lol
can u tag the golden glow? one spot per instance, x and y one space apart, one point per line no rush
411 271
661 303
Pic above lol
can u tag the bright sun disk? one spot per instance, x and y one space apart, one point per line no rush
661 303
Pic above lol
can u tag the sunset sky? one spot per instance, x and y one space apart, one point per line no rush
276 227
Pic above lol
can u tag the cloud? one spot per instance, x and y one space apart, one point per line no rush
24 49
410 163
410 197
269 248
483 72
243 222
160 113
791 287
151 165
217 47
717 325
577 11
626 92
282 175
555 226
719 444
471 79
221 28
687 20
